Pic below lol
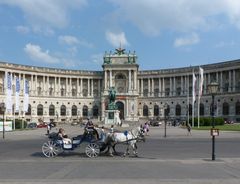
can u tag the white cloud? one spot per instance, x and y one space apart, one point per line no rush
116 39
35 53
153 16
225 44
23 29
67 39
97 59
46 12
187 40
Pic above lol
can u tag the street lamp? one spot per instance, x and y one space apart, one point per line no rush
165 107
212 89
3 109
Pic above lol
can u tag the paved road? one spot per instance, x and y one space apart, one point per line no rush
176 159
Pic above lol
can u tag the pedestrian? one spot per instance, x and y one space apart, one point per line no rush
111 129
146 128
48 128
189 129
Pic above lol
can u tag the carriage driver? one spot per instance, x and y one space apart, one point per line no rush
63 136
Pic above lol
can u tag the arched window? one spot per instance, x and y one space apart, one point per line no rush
29 112
237 108
145 110
74 110
156 110
85 111
95 111
40 110
63 110
201 109
51 110
178 110
225 109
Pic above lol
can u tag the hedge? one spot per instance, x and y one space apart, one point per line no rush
207 121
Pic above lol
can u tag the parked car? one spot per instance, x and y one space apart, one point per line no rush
32 125
155 123
42 125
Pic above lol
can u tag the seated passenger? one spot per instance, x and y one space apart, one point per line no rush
102 134
63 136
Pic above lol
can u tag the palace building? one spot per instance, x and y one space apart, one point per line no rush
68 95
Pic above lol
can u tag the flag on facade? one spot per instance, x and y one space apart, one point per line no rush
9 92
194 79
26 95
17 92
200 81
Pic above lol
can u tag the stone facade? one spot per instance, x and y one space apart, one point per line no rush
67 95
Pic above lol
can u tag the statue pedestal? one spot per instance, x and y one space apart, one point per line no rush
112 117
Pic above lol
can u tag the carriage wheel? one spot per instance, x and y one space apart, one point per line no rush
51 149
92 150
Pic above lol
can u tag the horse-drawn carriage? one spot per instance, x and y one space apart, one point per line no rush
94 145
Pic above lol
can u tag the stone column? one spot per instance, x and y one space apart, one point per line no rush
55 86
81 87
36 85
230 81
92 87
221 82
171 90
135 80
163 87
70 86
159 87
88 87
47 86
234 81
182 88
105 80
174 86
149 87
204 83
152 86
142 87
44 85
99 87
129 82
138 88
110 78
78 94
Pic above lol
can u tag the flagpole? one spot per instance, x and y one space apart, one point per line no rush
199 101
193 86
188 99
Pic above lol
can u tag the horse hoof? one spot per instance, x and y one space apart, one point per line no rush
111 155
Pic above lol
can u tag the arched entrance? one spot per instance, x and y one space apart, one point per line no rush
120 107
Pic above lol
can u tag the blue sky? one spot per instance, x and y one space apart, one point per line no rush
74 34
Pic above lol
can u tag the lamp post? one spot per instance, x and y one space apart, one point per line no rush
212 89
3 109
165 106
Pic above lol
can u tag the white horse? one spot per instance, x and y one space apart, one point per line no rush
130 137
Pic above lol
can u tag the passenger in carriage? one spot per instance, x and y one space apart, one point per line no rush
102 134
63 136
